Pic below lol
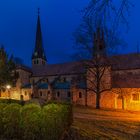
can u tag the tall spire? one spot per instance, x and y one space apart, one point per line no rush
39 50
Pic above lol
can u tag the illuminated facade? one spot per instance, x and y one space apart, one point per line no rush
65 82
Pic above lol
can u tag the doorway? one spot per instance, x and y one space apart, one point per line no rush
120 102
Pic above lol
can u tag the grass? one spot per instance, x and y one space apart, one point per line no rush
107 124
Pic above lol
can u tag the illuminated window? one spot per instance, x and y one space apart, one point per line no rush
135 97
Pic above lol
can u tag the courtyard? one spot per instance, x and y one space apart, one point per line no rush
107 124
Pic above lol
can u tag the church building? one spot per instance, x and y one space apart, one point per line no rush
67 82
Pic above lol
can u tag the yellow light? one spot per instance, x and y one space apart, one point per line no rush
8 86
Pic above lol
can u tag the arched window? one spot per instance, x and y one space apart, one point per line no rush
68 94
135 97
33 81
40 93
80 95
64 79
58 94
25 93
47 80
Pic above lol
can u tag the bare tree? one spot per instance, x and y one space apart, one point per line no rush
95 37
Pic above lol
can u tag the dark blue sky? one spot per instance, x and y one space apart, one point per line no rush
59 19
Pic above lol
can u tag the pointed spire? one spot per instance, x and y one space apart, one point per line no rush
38 11
39 50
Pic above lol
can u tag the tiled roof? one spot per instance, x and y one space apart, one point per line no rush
43 86
81 85
58 69
127 61
27 86
23 67
126 80
40 86
62 85
118 62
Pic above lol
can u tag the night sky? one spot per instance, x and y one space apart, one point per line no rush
59 19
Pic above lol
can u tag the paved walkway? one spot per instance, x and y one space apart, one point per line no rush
93 114
107 124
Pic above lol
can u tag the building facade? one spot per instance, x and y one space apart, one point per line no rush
67 82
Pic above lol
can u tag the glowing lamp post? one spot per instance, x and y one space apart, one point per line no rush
8 87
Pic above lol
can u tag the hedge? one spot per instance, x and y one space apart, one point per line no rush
31 122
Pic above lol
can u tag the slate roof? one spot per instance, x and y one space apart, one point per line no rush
40 86
81 85
118 62
27 86
126 80
127 61
58 69
43 86
23 67
62 85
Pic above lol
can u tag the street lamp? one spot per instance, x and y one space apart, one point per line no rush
8 87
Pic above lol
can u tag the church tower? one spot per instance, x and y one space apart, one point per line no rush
38 56
99 42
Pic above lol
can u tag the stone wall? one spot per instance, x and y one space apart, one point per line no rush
24 78
13 93
79 96
26 94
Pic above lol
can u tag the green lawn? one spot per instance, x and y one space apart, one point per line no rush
107 124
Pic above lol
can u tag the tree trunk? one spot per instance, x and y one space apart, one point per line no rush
97 100
98 87
86 98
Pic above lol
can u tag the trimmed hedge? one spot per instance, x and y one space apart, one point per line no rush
11 121
31 122
2 106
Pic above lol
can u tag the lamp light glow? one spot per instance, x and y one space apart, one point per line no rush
8 86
